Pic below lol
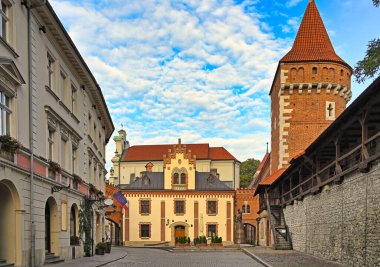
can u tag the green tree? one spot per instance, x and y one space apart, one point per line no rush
370 65
247 170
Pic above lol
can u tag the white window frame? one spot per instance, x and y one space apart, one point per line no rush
5 114
4 20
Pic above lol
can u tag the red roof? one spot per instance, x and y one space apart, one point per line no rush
263 162
312 42
272 178
269 180
156 152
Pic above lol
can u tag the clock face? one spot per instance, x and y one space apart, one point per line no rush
108 202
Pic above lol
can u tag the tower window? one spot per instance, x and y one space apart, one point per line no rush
314 70
341 72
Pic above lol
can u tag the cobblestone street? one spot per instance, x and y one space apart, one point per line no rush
160 258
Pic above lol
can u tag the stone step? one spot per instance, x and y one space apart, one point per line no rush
50 256
53 261
2 261
5 264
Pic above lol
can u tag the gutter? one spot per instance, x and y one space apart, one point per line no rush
29 8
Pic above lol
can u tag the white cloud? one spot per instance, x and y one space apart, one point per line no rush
292 3
200 70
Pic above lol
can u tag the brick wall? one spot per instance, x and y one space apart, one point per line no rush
299 116
342 223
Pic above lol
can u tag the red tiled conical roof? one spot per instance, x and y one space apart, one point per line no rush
312 42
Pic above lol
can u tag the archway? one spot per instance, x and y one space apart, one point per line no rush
10 223
51 226
74 221
250 233
179 229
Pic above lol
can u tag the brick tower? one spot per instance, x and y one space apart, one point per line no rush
310 89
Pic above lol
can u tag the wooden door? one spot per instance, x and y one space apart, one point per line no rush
180 231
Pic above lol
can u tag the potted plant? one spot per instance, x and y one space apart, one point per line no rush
183 241
9 144
100 248
216 241
108 248
200 241
54 167
74 240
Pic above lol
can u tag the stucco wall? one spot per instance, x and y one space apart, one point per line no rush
342 223
154 218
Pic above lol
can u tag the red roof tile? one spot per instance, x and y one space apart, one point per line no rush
272 178
156 152
269 180
312 42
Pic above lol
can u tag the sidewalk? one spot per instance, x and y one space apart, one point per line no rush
286 258
97 260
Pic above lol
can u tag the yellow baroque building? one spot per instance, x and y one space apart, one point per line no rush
178 200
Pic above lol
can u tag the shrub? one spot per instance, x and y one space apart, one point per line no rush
188 240
101 245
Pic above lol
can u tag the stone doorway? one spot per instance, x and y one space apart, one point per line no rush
51 226
10 224
178 229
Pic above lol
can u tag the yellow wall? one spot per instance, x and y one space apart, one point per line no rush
154 218
177 165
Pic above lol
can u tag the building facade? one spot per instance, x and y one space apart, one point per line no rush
53 130
310 90
179 195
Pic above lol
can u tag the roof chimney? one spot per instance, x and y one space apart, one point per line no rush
179 141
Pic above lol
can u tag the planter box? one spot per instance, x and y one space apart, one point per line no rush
216 244
201 245
99 251
182 245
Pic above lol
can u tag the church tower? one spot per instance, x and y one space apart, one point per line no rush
310 90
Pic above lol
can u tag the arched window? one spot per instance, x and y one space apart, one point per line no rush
176 178
73 227
243 208
341 72
183 178
248 209
314 70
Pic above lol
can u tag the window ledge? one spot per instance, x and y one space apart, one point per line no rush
48 89
144 214
75 118
212 214
145 237
179 214
9 47
64 106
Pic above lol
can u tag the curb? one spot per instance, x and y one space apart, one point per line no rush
108 262
253 256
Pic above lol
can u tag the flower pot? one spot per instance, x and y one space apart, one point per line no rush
216 244
99 251
201 245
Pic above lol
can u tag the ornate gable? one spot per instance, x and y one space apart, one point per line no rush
179 168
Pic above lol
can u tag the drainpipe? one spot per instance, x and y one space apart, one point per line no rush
31 135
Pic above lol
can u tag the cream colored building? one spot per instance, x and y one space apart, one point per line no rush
189 192
51 103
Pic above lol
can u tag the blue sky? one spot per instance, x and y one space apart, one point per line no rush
201 70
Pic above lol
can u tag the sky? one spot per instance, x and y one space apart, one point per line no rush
201 70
